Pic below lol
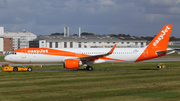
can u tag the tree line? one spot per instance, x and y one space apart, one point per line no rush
86 33
172 38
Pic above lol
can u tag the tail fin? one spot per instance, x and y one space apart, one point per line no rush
162 38
158 45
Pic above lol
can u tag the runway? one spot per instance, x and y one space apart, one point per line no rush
103 70
152 60
162 59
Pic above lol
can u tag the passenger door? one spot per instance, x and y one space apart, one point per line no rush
23 53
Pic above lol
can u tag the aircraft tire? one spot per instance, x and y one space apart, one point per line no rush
15 69
29 69
89 68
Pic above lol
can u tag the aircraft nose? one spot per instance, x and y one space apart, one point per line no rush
7 58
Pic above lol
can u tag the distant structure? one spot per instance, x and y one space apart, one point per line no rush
20 39
1 39
66 31
8 45
59 41
174 43
79 32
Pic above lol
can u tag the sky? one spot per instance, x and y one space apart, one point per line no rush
134 17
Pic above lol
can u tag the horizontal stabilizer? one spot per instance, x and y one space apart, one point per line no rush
166 51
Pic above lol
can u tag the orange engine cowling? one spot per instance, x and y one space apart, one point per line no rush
72 64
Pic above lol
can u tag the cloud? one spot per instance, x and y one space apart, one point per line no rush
3 4
96 16
167 7
174 10
107 2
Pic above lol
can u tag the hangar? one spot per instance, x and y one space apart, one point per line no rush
60 41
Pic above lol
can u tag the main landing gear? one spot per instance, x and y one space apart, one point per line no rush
89 68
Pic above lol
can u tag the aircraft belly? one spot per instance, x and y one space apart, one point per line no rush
123 58
38 59
46 59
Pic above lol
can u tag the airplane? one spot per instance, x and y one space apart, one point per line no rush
73 58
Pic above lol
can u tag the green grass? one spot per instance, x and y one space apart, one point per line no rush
103 85
123 66
2 59
132 81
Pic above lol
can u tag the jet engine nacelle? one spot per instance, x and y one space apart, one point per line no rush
72 64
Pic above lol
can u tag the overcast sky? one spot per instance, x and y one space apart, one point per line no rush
134 17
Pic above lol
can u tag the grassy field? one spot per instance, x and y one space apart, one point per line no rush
108 82
124 66
2 59
135 81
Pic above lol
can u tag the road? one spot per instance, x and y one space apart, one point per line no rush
152 60
162 59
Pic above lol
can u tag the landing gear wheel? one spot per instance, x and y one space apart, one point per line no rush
15 69
89 68
29 69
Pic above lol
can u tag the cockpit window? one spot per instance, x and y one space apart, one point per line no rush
14 53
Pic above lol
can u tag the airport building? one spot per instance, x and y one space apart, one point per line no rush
8 44
1 39
174 43
10 41
88 41
20 39
58 41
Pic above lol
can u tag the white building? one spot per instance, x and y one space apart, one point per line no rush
174 43
170 43
20 39
57 41
1 39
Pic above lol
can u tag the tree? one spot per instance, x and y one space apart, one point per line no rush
57 34
127 35
123 35
75 34
148 38
86 33
112 35
119 35
172 38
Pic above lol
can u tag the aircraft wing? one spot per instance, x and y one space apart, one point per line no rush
94 57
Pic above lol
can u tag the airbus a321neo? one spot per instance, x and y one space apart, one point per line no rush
72 59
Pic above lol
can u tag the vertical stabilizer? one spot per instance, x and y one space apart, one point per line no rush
162 38
158 44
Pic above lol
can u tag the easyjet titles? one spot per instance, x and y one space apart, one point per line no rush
37 51
161 36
